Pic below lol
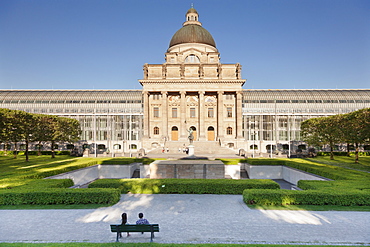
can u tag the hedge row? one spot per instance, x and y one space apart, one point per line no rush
59 196
349 187
184 186
309 197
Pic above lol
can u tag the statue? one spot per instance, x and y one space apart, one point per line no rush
190 137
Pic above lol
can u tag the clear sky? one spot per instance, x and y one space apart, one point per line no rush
103 44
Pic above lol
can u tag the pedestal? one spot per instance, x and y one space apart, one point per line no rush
191 150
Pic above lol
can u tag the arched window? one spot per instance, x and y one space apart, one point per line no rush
86 146
174 128
254 146
192 59
101 146
156 131
117 146
133 146
268 147
229 131
285 146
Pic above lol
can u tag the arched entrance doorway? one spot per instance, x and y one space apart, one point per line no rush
210 133
174 133
194 132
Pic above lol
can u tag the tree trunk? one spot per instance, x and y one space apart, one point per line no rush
356 159
15 150
331 153
52 149
39 149
26 149
348 152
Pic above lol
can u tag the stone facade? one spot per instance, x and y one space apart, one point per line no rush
192 90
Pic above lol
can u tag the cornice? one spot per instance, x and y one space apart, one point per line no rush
177 81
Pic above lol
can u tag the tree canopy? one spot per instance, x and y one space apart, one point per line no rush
20 126
351 128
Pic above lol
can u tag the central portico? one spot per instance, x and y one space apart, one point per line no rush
192 90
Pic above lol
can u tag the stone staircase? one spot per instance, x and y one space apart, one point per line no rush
200 147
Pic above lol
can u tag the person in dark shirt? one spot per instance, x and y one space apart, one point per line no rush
141 220
124 222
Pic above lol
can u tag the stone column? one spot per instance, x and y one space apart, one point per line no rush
202 136
183 130
239 115
220 115
164 115
146 114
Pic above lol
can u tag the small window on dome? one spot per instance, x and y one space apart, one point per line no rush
192 59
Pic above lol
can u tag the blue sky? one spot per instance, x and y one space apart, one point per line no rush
103 44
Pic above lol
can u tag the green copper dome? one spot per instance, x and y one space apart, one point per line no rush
192 31
192 34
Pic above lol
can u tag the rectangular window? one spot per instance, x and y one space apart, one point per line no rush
174 112
156 112
192 112
211 113
229 111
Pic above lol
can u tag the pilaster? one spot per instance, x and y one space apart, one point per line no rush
220 115
164 115
183 130
201 127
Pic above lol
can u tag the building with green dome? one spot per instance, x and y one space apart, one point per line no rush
191 90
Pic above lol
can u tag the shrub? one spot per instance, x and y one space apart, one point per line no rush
184 186
59 196
309 197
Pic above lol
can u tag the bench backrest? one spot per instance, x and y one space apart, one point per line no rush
135 228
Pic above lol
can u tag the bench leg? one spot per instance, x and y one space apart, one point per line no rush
117 236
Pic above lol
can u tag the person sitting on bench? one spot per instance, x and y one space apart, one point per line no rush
124 222
142 221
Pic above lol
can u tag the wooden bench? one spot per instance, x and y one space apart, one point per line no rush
135 228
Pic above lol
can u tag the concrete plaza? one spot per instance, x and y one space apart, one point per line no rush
188 219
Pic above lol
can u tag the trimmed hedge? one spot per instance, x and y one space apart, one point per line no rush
184 186
308 197
59 196
349 187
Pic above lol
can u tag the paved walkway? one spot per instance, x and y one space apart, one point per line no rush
187 219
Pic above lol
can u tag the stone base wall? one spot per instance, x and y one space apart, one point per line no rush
187 169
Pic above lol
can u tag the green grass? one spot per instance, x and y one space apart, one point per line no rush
14 172
149 244
345 162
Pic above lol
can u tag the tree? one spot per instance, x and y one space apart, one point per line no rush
358 128
321 131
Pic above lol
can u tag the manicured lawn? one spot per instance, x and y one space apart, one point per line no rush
16 172
149 244
346 162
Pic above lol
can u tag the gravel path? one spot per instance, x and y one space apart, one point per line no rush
188 219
